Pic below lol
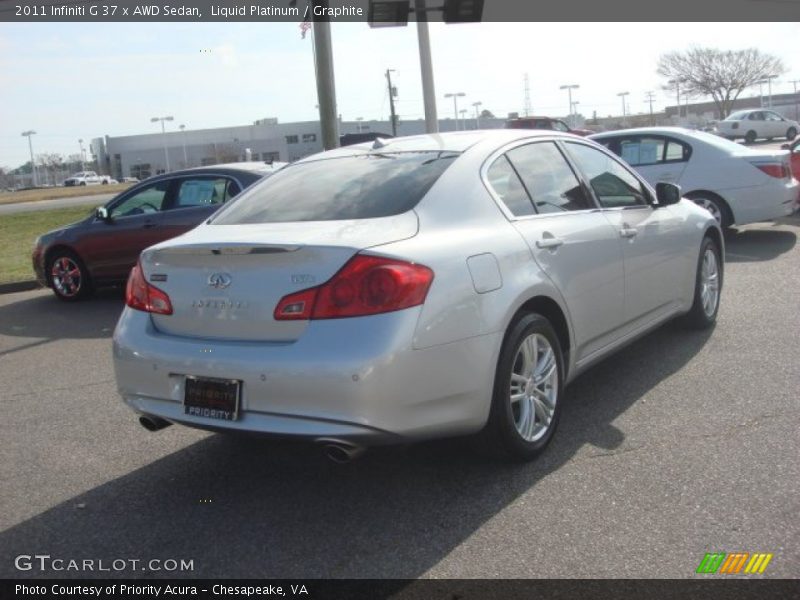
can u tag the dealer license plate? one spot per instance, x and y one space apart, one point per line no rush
212 398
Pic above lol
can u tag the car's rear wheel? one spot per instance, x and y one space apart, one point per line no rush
791 133
527 391
708 286
750 137
713 204
67 276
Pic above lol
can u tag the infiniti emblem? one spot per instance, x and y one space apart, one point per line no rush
219 281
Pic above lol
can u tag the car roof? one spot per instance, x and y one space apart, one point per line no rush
453 141
643 130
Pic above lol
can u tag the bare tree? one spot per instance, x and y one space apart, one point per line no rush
721 74
487 114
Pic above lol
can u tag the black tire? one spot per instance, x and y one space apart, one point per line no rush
75 283
83 183
750 137
105 182
501 437
791 133
699 317
718 208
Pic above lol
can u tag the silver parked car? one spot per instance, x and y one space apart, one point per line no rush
412 288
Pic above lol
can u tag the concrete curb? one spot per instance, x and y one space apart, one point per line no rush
18 286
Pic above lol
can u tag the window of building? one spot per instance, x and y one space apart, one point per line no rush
291 139
309 137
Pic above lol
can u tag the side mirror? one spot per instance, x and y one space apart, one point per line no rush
101 212
786 146
667 193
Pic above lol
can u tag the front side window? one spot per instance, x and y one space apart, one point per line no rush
771 116
351 187
547 176
612 183
145 201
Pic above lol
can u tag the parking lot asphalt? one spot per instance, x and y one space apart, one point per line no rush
683 443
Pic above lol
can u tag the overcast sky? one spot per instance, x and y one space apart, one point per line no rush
86 80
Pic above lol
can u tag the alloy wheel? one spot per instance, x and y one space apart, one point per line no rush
533 388
711 207
66 277
709 282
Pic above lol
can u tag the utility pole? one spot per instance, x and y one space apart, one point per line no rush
794 83
326 88
183 136
163 136
463 113
650 96
391 100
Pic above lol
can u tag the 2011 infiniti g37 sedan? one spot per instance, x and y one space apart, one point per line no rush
412 288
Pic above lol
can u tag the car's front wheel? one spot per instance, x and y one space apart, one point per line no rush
527 391
68 276
708 286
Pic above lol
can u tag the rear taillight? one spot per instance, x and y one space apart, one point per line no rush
366 285
142 296
777 170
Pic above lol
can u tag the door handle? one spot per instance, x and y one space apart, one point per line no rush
549 242
628 232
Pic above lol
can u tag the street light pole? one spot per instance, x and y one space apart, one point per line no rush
182 127
83 162
769 89
426 68
326 88
477 106
622 95
569 88
455 96
28 135
794 83
163 136
391 100
463 112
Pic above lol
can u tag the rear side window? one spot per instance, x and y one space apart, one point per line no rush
548 178
509 188
353 187
204 191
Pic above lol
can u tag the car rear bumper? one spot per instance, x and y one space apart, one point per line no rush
357 379
765 202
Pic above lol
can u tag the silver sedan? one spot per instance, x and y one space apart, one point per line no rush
412 288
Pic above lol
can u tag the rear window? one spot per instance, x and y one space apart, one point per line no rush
353 187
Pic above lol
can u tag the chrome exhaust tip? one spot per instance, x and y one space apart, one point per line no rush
341 451
153 423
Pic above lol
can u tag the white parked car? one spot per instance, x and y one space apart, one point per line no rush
736 184
756 124
88 178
